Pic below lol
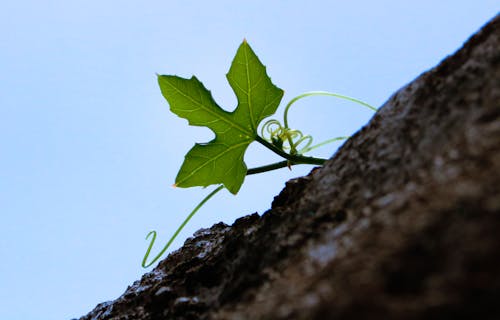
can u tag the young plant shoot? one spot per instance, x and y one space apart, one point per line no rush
220 161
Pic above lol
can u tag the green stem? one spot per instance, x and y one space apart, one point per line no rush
295 159
146 265
269 167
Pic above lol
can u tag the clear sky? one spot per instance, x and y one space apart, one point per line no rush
89 149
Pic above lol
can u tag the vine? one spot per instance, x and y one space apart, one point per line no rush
220 161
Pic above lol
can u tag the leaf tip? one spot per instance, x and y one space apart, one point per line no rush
174 185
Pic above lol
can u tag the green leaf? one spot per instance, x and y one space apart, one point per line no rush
220 161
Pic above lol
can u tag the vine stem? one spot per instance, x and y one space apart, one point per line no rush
293 158
146 265
269 167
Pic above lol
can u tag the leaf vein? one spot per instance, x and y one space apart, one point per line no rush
202 106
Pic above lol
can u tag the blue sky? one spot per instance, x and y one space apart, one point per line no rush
89 149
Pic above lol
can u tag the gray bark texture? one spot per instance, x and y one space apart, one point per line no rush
403 222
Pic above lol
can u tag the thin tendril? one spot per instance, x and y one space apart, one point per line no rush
322 144
307 138
268 126
322 93
146 265
284 138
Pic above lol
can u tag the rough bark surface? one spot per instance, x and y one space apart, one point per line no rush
402 223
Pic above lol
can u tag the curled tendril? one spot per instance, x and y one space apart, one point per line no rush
285 138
